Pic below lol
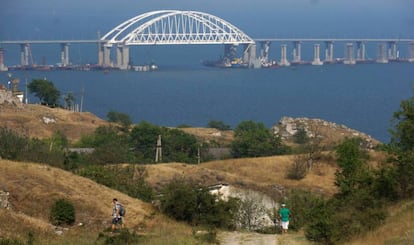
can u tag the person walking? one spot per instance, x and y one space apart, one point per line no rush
284 215
117 218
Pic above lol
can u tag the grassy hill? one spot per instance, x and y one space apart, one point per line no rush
34 187
41 122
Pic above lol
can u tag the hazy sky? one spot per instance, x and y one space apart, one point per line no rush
45 19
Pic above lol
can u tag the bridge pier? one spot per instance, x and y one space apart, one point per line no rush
349 54
122 57
360 52
100 54
24 54
64 54
411 52
297 52
316 56
382 54
2 66
249 56
106 55
264 52
329 50
392 51
283 57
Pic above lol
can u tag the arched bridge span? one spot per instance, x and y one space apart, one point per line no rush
172 27
175 27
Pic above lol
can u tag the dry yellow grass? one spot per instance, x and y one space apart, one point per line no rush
29 120
397 229
34 187
264 173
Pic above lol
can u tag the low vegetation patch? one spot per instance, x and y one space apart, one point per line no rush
62 212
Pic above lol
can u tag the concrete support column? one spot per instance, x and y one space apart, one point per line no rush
360 51
297 52
316 56
264 51
382 53
122 57
119 56
329 49
249 56
411 52
100 54
392 50
125 57
64 54
24 54
349 54
107 55
2 66
283 57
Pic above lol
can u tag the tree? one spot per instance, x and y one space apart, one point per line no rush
403 122
110 145
254 140
177 145
143 139
313 146
353 170
220 125
187 201
301 136
69 100
401 151
45 91
119 117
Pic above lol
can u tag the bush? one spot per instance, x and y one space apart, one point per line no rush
121 118
124 237
301 203
220 125
301 136
298 169
62 213
189 202
11 144
253 139
6 241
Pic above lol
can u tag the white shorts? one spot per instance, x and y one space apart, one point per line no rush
285 225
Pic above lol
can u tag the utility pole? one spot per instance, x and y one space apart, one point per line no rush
158 152
81 105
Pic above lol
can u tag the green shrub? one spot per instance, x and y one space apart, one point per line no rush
7 241
301 136
189 202
62 213
124 237
220 125
298 169
11 144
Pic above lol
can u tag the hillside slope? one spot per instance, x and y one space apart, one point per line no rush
33 189
41 122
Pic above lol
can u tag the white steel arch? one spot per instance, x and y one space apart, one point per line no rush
175 27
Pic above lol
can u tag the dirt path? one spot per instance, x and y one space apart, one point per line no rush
239 238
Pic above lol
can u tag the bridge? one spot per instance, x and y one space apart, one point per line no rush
174 27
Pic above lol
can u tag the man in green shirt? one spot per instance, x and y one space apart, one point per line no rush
284 214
